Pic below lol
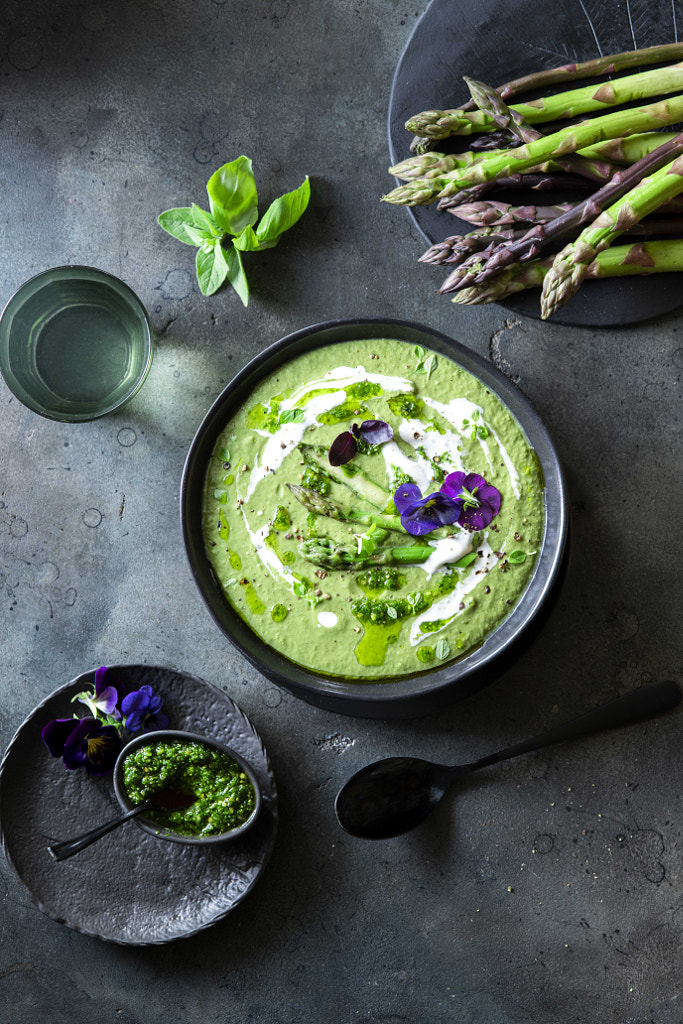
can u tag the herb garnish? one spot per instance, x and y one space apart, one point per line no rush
224 233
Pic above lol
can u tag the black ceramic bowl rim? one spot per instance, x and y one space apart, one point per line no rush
70 271
179 735
425 690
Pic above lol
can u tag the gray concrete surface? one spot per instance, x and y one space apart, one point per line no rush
549 890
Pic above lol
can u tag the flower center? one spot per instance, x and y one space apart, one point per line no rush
468 498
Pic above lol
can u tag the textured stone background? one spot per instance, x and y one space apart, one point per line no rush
548 889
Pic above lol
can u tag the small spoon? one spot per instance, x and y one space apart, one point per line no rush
165 800
389 797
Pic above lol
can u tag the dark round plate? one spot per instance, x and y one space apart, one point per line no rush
129 887
425 691
496 41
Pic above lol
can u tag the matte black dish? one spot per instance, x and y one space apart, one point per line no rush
129 888
496 41
161 832
427 690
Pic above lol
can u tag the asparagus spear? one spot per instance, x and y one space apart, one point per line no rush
493 213
567 140
456 248
324 552
491 104
320 506
638 259
570 266
539 237
439 124
362 486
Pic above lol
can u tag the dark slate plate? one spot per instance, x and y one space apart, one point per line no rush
129 887
495 41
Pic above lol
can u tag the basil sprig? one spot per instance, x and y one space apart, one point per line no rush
229 229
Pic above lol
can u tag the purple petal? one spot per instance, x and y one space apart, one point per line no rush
435 510
475 518
138 700
100 679
76 746
405 495
489 495
375 431
342 449
135 720
153 722
452 485
102 750
419 527
55 734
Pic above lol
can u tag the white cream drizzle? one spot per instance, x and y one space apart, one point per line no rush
289 435
448 549
270 560
459 409
327 619
449 606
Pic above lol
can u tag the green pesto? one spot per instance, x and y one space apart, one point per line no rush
225 796
382 616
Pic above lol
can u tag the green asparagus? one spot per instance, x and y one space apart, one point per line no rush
324 552
321 506
349 475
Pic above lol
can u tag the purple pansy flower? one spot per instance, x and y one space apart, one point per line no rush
422 515
479 501
142 709
345 445
87 744
104 698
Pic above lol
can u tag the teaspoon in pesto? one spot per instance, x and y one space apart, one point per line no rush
392 796
164 800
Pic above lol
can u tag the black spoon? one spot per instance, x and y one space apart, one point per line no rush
392 796
165 800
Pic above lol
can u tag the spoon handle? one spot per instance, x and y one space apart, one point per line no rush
60 851
632 707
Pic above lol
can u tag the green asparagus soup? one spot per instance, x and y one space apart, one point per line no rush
302 523
225 796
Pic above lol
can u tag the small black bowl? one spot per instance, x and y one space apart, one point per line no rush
424 691
160 831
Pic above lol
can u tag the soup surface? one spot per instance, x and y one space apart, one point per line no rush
324 572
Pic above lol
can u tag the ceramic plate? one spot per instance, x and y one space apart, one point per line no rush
496 41
128 887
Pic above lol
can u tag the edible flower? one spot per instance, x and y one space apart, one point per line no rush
104 698
422 515
479 501
87 743
95 741
142 709
345 445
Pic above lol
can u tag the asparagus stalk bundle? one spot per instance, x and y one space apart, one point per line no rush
621 151
322 506
324 552
570 266
541 236
517 161
439 124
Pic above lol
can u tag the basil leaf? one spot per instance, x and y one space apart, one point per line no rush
180 223
204 220
232 195
212 266
236 275
419 352
291 416
442 649
517 557
246 241
366 546
282 214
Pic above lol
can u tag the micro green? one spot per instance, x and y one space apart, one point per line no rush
229 228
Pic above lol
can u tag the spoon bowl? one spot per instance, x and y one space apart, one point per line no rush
393 796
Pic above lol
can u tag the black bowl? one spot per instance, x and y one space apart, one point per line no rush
427 690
